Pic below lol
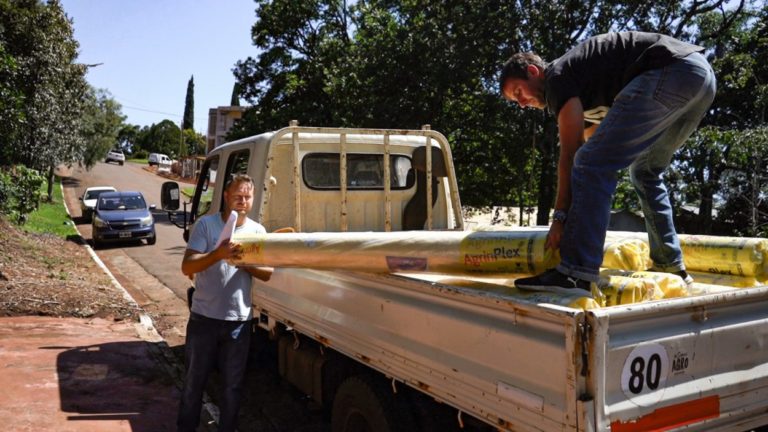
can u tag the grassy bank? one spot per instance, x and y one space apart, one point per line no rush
51 217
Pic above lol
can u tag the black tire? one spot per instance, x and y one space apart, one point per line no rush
152 240
96 244
121 163
365 404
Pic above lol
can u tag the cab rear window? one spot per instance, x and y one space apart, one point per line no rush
364 171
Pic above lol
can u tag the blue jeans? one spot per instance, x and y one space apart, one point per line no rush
650 119
214 343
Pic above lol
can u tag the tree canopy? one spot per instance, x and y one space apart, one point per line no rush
401 64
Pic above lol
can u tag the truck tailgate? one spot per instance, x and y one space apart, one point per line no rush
698 362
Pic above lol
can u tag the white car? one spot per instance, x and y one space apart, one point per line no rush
90 197
159 159
115 155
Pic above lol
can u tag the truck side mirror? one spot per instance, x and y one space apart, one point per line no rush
169 196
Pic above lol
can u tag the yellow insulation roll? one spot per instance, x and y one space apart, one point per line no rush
488 252
451 252
626 254
724 280
670 285
623 290
735 256
578 300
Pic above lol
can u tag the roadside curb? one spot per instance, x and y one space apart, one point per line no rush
145 328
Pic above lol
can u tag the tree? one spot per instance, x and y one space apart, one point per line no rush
11 100
127 137
163 137
194 143
379 63
235 100
102 124
52 86
189 106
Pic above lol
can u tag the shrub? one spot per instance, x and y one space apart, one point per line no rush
20 192
140 154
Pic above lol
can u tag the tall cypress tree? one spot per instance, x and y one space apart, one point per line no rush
235 101
189 106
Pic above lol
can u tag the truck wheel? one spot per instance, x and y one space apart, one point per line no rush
363 404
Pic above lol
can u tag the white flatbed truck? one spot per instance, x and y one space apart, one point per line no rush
398 352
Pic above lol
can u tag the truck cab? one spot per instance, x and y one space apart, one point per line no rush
331 180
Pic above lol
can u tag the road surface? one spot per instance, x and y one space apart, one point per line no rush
152 275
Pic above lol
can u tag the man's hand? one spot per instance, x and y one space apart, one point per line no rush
196 261
554 235
228 250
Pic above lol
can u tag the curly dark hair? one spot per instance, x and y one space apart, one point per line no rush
517 67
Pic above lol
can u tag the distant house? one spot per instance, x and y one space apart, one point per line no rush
220 121
626 220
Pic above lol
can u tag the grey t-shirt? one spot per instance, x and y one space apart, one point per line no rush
222 291
597 69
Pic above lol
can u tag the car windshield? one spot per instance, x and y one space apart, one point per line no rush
131 202
94 194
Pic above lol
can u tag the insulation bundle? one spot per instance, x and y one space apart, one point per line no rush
742 257
578 300
734 256
671 285
488 252
450 252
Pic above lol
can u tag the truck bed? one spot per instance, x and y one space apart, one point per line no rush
527 366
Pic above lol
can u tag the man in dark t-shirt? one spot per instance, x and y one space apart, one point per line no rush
627 99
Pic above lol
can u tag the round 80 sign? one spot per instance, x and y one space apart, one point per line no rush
644 375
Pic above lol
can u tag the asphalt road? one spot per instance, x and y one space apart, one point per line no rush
152 275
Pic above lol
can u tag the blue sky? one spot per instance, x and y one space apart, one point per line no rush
150 48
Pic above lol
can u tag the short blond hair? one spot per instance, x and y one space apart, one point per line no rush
239 178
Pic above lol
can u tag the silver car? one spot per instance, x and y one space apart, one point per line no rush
115 155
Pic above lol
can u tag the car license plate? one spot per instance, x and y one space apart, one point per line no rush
125 234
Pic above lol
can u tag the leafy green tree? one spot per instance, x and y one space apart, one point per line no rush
714 156
102 123
164 137
127 137
11 100
52 86
194 143
189 106
379 63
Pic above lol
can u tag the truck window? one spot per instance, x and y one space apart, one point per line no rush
204 190
237 164
364 171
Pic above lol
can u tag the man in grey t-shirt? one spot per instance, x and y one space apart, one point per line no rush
627 99
219 327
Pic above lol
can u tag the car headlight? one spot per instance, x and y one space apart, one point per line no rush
99 223
147 221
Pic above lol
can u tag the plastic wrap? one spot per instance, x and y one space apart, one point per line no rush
670 285
450 252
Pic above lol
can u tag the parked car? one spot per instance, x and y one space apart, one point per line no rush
115 155
121 216
159 159
89 198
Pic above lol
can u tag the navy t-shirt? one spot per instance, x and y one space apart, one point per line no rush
597 69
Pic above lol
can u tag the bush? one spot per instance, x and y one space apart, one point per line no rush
20 192
140 154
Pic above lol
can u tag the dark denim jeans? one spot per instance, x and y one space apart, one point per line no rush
650 119
210 344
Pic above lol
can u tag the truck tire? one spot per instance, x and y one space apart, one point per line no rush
365 404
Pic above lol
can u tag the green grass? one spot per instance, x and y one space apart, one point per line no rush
51 217
138 161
